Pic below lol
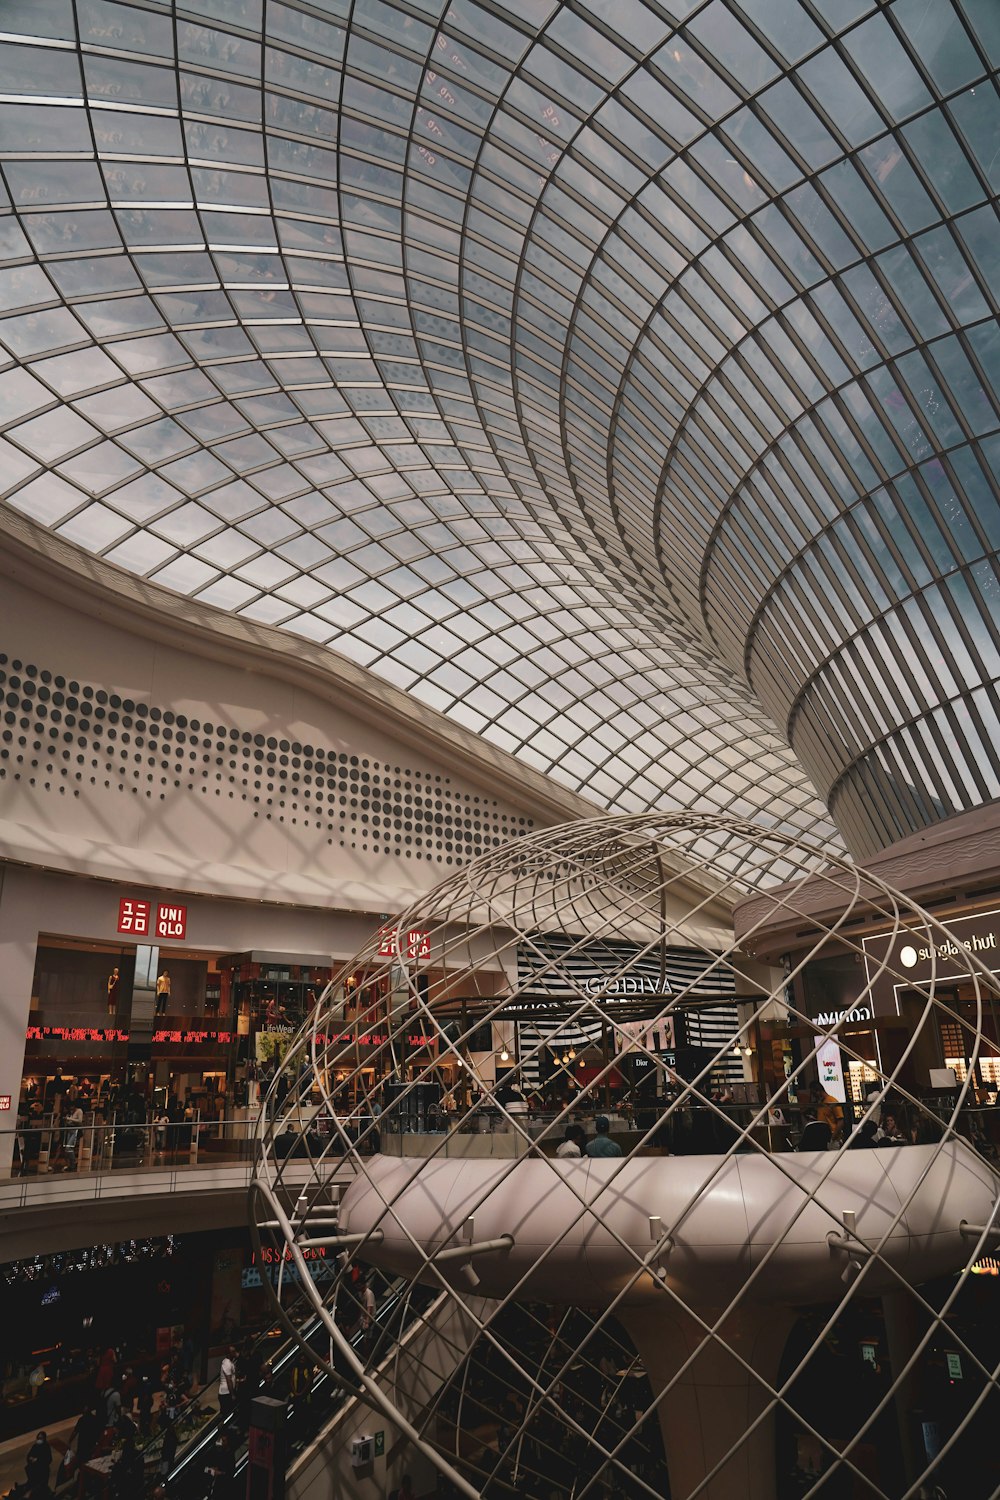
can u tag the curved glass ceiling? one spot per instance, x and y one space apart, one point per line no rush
560 362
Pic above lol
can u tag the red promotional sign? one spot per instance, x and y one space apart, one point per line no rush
171 922
366 1039
195 1037
261 1445
133 916
75 1034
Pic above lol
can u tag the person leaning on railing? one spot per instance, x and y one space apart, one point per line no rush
31 1138
74 1123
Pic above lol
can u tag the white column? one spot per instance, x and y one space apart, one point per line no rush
708 1411
18 942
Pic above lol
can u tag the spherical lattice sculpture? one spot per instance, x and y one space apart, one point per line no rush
726 1310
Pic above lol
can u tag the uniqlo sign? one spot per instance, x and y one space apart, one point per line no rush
171 922
133 917
4 1101
413 944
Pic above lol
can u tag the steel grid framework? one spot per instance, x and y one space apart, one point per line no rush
590 881
574 365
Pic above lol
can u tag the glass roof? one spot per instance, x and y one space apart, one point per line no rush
559 362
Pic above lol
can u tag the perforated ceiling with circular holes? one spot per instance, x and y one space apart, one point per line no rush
63 735
571 365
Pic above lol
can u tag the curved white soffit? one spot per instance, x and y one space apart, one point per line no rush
46 565
42 562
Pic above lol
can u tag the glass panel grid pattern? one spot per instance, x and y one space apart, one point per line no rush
615 379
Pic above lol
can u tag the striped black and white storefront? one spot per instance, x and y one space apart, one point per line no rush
565 982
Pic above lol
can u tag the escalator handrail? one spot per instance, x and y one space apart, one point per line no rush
348 1395
207 1435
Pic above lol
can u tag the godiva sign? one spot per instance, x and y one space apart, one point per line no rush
916 956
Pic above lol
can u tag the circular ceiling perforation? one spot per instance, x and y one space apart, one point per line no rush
570 365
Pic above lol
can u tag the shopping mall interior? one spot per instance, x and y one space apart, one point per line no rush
499 668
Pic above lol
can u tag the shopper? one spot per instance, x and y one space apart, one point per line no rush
266 1382
126 1474
168 1451
367 1299
85 1435
573 1143
865 1135
105 1377
173 1395
889 1132
161 1123
227 1385
302 1381
601 1144
71 1139
144 1402
221 1468
31 1138
112 1405
827 1108
38 1465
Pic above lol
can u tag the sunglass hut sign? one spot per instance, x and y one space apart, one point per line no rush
921 954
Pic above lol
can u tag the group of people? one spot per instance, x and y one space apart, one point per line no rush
68 1115
532 1448
889 1125
575 1142
119 1418
880 1121
886 1128
66 1128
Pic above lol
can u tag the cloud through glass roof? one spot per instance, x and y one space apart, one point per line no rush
569 365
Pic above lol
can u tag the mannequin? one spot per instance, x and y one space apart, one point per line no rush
162 993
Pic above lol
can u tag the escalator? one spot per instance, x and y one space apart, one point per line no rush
311 1406
429 1351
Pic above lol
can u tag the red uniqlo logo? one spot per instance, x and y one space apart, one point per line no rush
417 945
171 922
4 1101
133 917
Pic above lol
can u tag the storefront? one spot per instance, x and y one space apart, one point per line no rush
139 1006
116 1001
659 1002
874 987
90 1034
920 959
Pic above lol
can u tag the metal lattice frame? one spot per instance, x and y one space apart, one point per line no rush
638 878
